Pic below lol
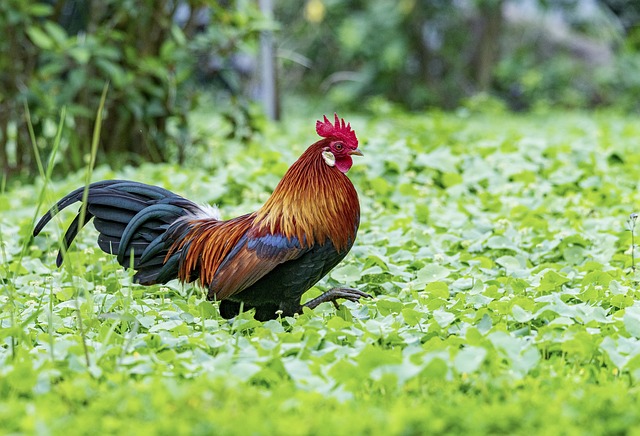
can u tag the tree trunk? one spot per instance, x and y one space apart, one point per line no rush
268 85
488 48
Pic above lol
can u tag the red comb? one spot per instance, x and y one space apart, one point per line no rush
340 130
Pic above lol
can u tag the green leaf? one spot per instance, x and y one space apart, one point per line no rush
371 357
511 263
443 318
412 316
521 315
501 242
552 281
40 9
82 55
437 289
431 273
469 359
386 306
166 325
57 33
631 320
346 274
40 38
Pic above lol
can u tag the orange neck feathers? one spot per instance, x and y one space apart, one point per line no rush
312 202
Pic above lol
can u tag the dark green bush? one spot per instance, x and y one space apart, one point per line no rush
63 52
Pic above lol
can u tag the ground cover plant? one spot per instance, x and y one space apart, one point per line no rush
499 249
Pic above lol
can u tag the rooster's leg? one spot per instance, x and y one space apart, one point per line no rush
229 309
336 293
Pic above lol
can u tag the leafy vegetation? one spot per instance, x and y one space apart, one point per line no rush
498 247
154 54
161 57
571 54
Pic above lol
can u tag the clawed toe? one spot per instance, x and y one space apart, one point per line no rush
334 294
349 293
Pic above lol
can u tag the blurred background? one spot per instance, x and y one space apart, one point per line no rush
242 62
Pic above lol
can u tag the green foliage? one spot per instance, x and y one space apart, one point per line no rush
530 55
62 53
497 249
356 49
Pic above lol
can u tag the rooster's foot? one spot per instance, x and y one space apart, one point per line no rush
336 293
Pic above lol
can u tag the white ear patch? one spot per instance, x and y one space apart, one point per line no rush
329 158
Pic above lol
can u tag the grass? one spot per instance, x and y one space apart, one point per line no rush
498 248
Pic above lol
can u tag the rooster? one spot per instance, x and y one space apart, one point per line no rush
264 260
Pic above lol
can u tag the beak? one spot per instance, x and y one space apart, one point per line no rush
356 152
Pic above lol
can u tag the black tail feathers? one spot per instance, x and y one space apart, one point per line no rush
132 219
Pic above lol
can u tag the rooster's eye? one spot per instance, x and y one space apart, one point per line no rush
338 146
